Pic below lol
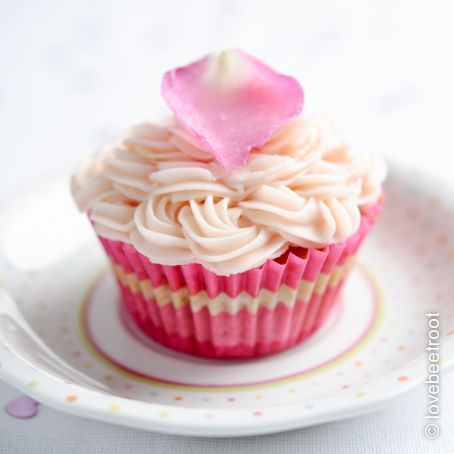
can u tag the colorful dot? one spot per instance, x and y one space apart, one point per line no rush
360 394
153 393
88 365
308 406
401 348
231 399
292 391
402 378
345 386
450 333
71 398
128 385
64 329
206 399
163 414
32 384
442 239
114 408
358 363
258 397
177 398
257 413
108 377
76 354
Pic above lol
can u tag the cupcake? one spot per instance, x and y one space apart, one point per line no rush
231 226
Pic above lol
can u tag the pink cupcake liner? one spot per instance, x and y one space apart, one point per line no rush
258 312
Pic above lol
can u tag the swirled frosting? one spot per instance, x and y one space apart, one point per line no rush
159 189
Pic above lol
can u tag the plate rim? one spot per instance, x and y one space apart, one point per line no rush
231 425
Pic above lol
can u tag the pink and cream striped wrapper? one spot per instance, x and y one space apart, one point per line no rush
257 312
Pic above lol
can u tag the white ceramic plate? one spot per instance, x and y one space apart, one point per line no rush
90 361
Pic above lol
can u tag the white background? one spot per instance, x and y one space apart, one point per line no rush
73 74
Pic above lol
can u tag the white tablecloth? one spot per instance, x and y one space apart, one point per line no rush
73 74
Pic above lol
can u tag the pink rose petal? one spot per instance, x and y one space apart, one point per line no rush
232 102
23 407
